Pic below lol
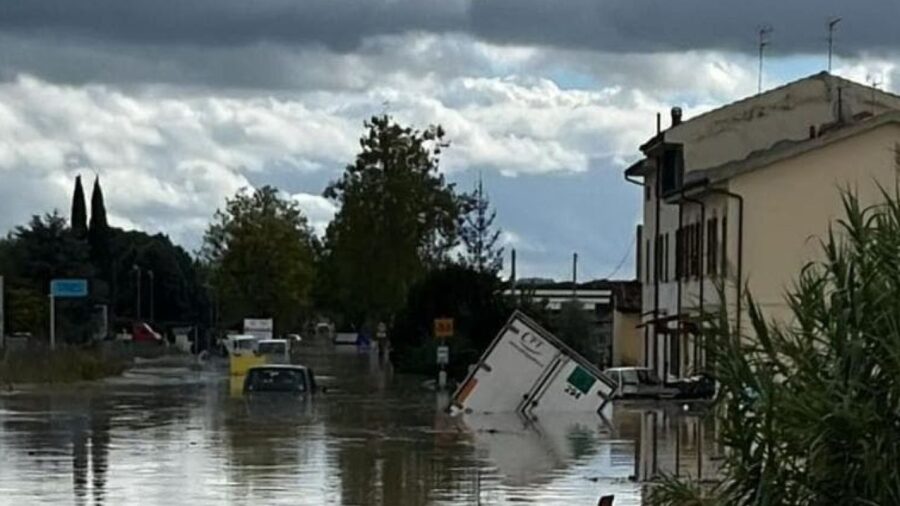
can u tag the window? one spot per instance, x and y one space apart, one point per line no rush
698 250
724 243
712 246
689 258
674 354
672 168
639 263
688 244
679 253
647 260
658 275
666 257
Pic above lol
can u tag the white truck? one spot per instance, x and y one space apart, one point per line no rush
527 369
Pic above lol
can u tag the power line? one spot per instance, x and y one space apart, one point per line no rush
625 257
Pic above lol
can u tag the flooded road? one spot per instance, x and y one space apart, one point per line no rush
174 435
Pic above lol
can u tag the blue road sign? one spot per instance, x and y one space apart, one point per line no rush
69 288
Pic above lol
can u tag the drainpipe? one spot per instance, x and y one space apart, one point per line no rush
702 281
658 192
740 252
646 336
661 140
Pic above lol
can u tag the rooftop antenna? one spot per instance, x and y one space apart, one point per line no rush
875 81
832 22
764 32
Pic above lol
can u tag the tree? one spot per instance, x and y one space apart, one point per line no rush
475 301
808 411
178 292
99 233
35 254
79 211
478 236
98 208
46 249
398 218
260 253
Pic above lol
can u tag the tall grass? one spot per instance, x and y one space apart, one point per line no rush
62 366
809 411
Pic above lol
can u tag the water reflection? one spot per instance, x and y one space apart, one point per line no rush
90 451
164 435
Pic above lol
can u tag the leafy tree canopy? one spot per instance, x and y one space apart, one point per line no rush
260 253
398 218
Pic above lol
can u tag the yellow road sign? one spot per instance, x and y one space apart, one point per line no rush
443 327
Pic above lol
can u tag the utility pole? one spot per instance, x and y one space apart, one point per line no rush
574 275
512 273
764 32
2 318
832 22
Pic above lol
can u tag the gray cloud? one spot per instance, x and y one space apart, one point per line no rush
610 25
339 24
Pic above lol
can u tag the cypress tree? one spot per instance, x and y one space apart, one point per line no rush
98 208
78 218
98 235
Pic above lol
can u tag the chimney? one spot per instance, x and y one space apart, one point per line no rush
676 116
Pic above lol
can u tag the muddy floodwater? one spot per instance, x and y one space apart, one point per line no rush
170 434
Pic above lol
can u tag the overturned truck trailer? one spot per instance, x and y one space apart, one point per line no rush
529 370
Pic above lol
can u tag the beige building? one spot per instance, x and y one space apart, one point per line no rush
743 192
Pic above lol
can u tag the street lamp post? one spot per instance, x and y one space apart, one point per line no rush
152 298
137 308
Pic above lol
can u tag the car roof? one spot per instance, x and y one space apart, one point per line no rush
279 366
269 341
628 369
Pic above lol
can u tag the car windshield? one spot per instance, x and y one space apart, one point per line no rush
271 348
243 344
647 377
629 377
276 380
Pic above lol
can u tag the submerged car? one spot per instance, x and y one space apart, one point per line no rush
276 351
639 383
291 379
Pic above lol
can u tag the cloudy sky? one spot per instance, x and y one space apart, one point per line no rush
176 104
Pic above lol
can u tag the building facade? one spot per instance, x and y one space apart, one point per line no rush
738 197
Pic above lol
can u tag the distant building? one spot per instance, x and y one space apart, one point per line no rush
741 192
613 307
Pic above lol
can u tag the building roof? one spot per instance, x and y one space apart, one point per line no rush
721 114
788 149
829 79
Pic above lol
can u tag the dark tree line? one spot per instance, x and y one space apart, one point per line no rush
111 259
400 229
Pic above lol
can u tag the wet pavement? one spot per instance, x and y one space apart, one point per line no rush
181 435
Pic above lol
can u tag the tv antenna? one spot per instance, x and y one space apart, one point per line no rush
832 23
764 32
